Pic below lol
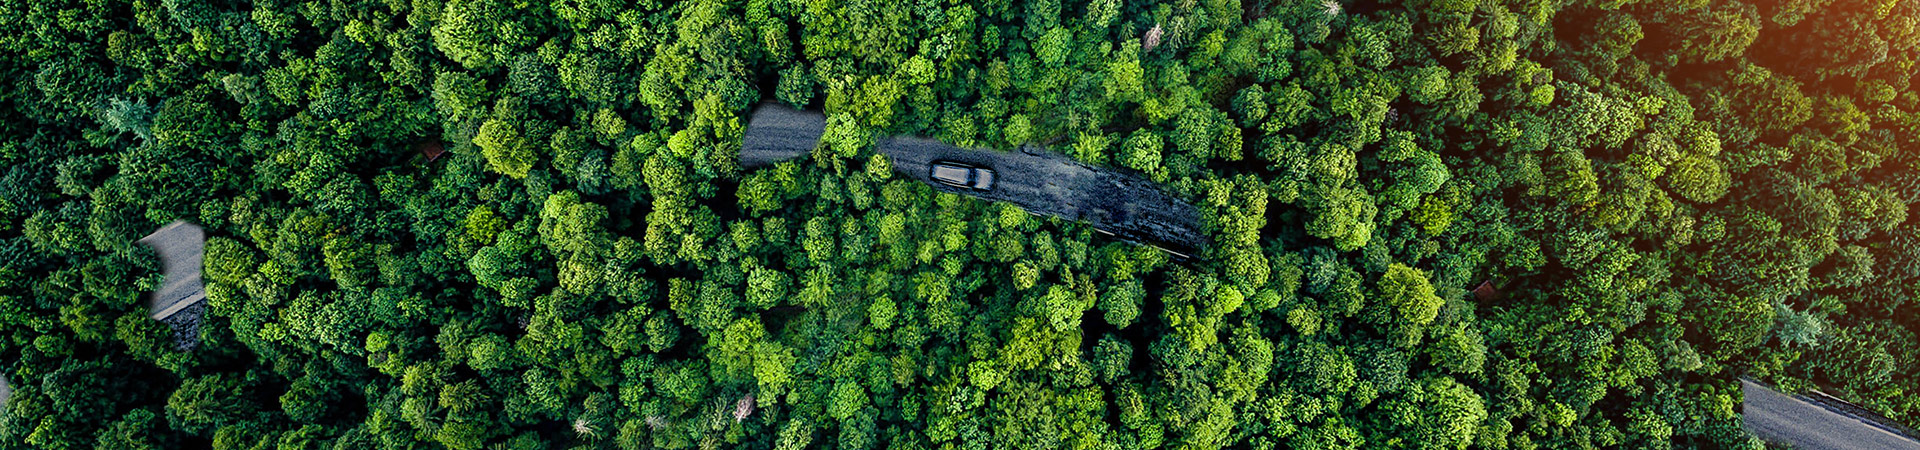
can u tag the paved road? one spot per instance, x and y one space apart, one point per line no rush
180 246
181 297
1039 181
1805 425
777 133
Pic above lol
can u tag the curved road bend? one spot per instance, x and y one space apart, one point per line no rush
1039 181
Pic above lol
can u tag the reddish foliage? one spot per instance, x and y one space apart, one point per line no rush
1486 292
430 149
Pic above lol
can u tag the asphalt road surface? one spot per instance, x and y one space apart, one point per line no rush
777 133
181 297
1040 181
180 246
1806 425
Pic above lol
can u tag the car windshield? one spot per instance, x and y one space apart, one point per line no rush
950 174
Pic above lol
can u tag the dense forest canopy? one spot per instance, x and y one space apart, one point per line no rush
1508 224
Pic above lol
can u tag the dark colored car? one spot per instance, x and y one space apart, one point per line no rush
961 175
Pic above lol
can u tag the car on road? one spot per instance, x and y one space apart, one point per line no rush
961 175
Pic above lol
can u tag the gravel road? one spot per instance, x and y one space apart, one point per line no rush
1040 181
1806 425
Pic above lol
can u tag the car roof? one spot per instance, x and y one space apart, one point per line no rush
950 174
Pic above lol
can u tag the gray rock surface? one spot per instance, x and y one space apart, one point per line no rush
1808 424
1040 181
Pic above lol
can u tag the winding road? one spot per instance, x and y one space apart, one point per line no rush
1042 182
